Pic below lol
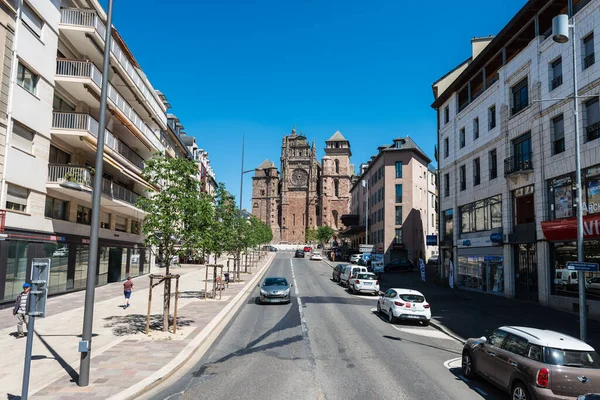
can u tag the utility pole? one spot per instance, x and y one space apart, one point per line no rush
365 184
85 345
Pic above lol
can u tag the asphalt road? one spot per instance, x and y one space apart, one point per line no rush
326 344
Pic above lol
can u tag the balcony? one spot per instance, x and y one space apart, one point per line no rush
84 122
74 17
519 163
593 131
70 177
77 72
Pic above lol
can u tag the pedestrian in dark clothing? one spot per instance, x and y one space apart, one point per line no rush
127 288
20 309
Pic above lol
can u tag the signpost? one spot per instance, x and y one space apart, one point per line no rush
582 266
365 248
431 240
40 278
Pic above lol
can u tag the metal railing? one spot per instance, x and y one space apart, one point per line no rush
83 17
518 162
69 173
558 146
589 61
87 69
118 192
76 121
517 107
593 131
556 82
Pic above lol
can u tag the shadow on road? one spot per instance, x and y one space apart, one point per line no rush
136 323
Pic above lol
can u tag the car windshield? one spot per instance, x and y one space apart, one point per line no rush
572 358
275 282
412 298
365 276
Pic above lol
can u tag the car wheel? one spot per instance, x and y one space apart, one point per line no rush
391 318
468 366
520 392
354 291
378 308
426 322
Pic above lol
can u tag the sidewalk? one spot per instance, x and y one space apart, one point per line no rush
471 314
123 355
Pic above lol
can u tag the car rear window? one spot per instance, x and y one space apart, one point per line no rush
412 298
571 358
365 276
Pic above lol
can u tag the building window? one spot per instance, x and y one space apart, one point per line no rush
446 147
476 128
493 161
16 268
84 215
32 21
476 172
524 205
22 138
588 51
27 79
398 237
16 198
556 74
561 197
104 220
492 117
592 118
462 138
463 177
520 96
481 215
57 209
558 135
398 169
446 114
447 224
337 166
446 185
522 155
398 215
399 193
433 220
59 104
336 188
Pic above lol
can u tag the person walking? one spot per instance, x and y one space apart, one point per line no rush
127 288
20 309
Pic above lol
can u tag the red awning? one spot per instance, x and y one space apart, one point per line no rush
566 229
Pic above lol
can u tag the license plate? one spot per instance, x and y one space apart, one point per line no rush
412 316
368 283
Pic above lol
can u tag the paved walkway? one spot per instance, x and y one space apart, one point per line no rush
123 355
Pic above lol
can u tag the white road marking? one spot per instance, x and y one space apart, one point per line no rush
452 363
295 283
427 332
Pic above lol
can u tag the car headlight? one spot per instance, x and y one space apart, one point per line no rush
264 292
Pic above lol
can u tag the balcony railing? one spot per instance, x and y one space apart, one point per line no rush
593 131
75 121
82 17
517 163
86 69
589 61
82 176
556 82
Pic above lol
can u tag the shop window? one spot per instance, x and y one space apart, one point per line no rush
564 281
561 198
447 224
16 198
592 191
524 205
59 265
482 273
56 209
482 215
81 264
84 215
16 269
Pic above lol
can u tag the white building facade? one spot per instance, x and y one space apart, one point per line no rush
506 158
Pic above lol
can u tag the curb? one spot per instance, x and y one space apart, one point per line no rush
440 327
218 323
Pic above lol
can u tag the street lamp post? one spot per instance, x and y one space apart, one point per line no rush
365 184
85 345
242 175
560 34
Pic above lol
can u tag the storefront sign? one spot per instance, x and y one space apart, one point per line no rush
365 248
496 238
566 229
431 240
476 242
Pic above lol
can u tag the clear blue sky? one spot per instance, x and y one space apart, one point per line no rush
364 68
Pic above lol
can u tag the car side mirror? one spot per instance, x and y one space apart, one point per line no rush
482 340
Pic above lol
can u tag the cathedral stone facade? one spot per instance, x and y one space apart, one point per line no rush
306 193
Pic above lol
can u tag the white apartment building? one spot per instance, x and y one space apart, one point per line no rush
506 157
49 156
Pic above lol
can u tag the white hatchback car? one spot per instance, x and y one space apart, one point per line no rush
355 257
316 256
364 282
404 304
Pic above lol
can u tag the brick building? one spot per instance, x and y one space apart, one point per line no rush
306 193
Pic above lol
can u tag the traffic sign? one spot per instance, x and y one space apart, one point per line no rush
582 266
40 280
365 248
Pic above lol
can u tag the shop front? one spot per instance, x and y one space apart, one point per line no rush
480 264
69 261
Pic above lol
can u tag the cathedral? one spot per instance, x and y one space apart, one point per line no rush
306 193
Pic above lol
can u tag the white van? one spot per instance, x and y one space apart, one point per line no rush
350 271
565 279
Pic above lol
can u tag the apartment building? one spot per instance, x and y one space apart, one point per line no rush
506 158
200 156
400 191
49 157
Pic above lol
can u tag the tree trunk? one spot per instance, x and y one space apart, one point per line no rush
167 295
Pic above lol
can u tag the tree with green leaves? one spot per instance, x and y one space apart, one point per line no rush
171 205
324 234
312 235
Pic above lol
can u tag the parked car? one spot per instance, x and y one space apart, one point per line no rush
364 283
350 271
337 271
307 249
565 279
299 254
272 248
433 260
592 285
275 289
316 255
404 304
355 257
532 363
402 264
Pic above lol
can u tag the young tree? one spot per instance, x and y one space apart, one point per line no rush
168 209
324 234
312 235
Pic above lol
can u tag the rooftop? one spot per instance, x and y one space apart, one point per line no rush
337 137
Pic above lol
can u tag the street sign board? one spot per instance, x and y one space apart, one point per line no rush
431 240
365 248
40 279
377 262
582 266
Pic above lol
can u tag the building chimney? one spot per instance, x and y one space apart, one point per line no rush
478 44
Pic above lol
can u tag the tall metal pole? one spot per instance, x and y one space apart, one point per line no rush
28 349
242 175
88 314
580 255
367 215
